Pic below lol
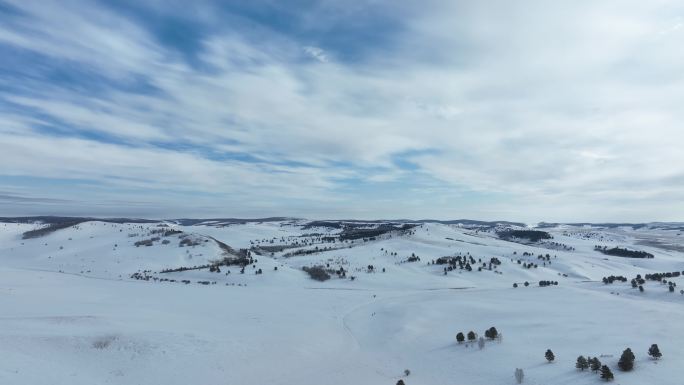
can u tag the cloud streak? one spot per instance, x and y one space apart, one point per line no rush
534 110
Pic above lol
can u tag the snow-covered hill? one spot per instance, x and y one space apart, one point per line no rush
229 302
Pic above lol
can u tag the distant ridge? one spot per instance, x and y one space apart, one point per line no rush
652 225
53 219
49 219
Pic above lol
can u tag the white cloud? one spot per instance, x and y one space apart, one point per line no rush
316 53
548 106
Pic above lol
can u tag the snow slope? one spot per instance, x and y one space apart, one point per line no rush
72 314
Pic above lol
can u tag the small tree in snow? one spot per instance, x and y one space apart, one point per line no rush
582 363
549 355
460 337
491 333
606 374
400 382
481 343
471 336
626 362
519 375
654 351
595 364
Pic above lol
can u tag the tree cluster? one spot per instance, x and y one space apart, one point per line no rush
620 252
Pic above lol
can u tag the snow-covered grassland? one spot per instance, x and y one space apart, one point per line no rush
85 305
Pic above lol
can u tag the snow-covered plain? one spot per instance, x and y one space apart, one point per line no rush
72 313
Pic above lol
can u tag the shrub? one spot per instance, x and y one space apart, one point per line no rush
460 337
491 333
144 242
519 375
549 355
103 342
471 336
654 351
317 272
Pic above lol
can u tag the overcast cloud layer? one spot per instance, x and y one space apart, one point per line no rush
519 110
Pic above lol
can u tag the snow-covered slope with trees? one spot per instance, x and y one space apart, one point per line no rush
231 302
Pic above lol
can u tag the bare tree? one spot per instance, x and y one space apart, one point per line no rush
519 375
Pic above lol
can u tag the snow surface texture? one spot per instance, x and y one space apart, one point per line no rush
72 314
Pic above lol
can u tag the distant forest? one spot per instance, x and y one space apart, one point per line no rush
531 235
620 252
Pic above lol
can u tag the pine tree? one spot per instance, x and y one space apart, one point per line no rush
595 364
491 333
549 355
626 362
471 336
606 374
582 363
654 352
460 337
400 382
628 353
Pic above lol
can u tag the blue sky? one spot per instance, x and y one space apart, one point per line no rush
526 110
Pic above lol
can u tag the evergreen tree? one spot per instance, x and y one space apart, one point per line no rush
400 382
549 355
471 336
491 333
626 362
654 352
595 364
582 363
628 353
460 337
606 374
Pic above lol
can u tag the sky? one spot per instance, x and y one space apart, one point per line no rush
494 110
